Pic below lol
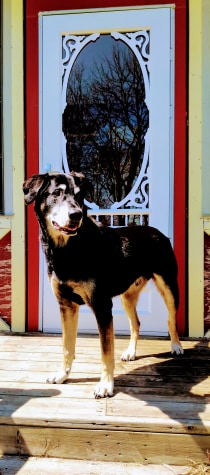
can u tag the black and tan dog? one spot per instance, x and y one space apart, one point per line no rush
90 263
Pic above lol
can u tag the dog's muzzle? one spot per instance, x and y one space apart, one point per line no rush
75 220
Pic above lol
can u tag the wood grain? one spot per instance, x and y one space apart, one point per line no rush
159 413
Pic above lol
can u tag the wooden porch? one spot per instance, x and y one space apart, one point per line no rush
159 413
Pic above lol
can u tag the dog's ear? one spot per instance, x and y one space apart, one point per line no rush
83 185
79 178
32 186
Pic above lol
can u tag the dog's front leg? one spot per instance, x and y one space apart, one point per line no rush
69 319
106 385
105 325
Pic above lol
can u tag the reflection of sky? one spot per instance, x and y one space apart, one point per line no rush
98 51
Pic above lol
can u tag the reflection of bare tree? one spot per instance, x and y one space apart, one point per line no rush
105 122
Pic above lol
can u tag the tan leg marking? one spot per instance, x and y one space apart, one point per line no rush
106 385
170 304
129 301
69 319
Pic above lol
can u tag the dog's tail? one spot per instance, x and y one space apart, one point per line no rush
167 267
171 273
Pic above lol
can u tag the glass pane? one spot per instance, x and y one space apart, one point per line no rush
106 119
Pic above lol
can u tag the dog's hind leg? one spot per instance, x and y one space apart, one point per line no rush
129 301
169 300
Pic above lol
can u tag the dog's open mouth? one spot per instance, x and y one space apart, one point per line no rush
71 229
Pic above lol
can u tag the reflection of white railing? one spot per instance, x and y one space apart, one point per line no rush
143 216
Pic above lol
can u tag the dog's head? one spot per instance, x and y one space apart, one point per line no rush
58 199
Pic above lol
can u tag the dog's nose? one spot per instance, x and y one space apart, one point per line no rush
76 215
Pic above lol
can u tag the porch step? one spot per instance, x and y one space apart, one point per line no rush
159 414
11 465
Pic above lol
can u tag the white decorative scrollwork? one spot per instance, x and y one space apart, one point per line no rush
138 42
72 45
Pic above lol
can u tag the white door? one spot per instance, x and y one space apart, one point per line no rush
106 108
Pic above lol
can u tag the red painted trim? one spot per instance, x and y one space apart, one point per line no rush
180 162
32 9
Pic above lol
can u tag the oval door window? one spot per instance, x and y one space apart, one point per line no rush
106 118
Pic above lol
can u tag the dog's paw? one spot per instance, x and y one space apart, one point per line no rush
177 348
58 378
128 355
104 389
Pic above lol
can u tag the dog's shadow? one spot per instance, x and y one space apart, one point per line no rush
171 385
175 385
168 375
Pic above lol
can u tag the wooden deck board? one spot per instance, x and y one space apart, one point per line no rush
33 465
160 411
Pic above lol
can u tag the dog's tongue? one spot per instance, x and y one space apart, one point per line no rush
69 228
65 229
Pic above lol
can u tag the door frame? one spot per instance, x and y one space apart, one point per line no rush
32 142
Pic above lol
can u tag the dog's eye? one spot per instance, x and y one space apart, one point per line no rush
57 192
